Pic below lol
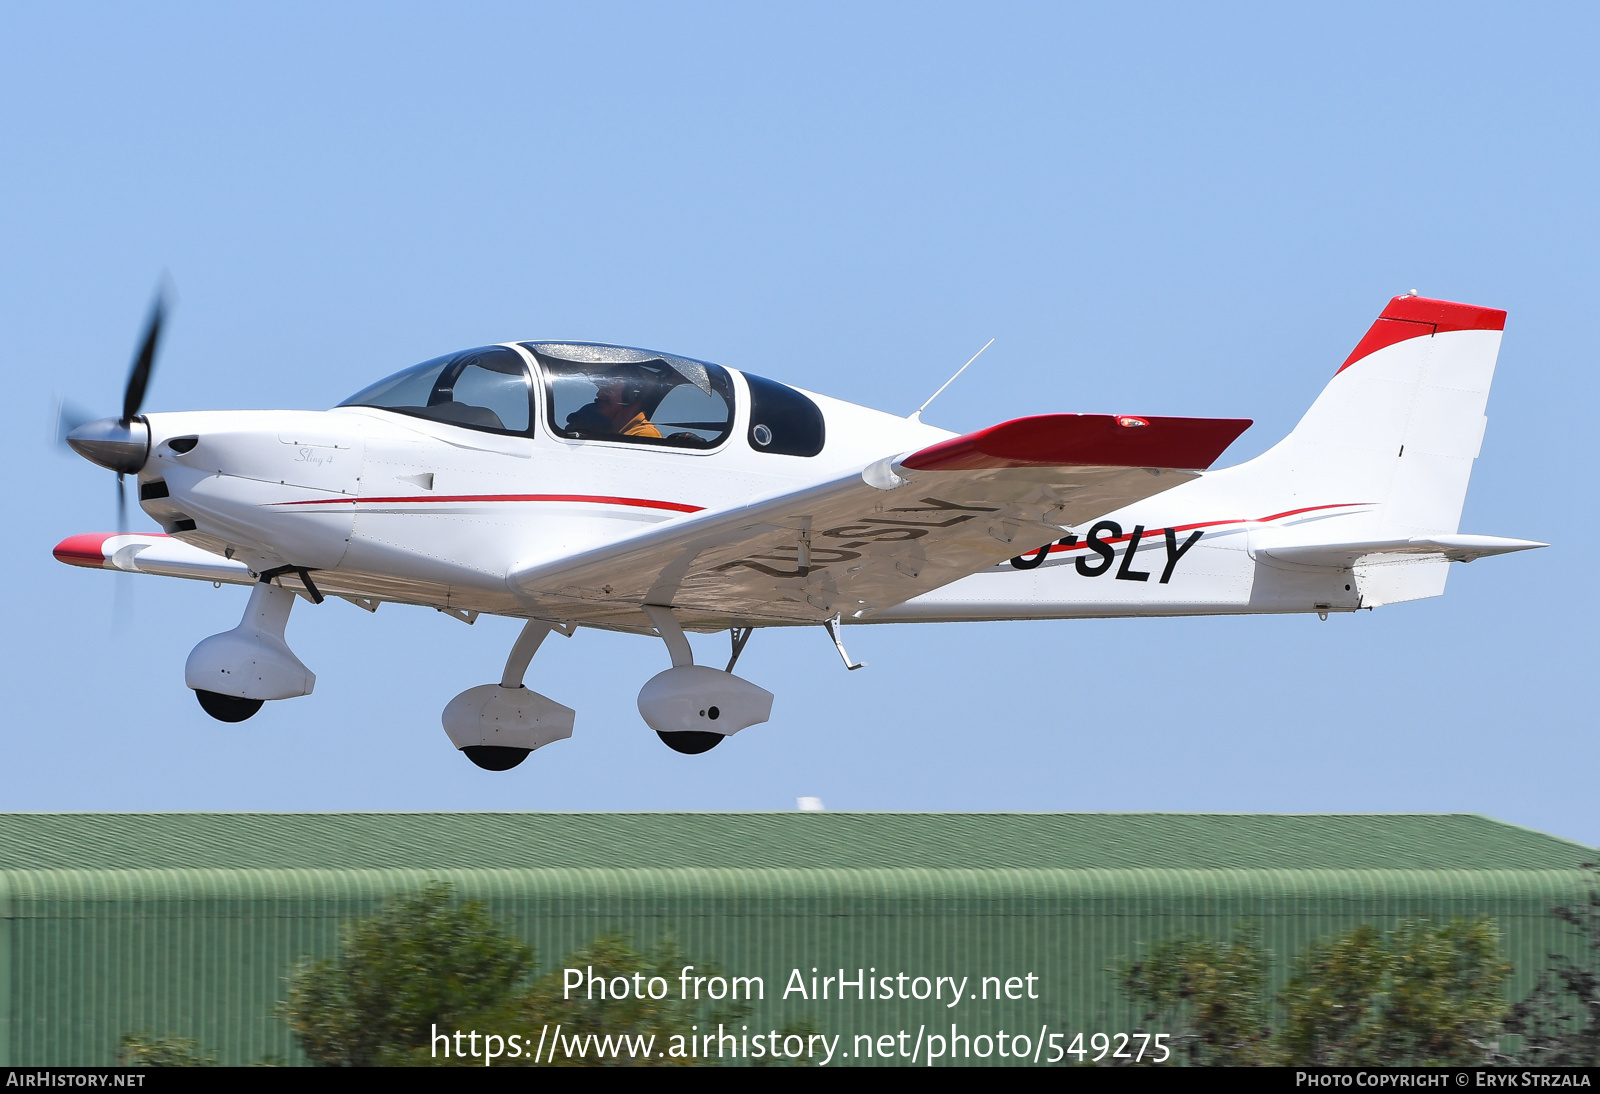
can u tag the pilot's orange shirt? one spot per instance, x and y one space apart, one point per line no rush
639 426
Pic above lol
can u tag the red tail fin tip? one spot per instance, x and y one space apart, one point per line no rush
1419 317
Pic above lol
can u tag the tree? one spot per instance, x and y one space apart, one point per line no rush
1211 995
421 961
1559 1021
147 1050
427 961
1423 993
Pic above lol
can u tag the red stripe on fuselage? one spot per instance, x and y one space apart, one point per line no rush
1055 547
597 499
1307 509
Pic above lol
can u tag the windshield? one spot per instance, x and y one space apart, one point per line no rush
485 388
613 393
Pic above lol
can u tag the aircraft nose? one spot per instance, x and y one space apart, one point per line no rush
111 443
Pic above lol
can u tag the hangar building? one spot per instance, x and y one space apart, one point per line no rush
186 924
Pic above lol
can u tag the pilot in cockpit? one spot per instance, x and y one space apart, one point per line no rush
619 404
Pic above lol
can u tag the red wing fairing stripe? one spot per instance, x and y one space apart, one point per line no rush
638 503
88 549
84 550
1084 440
1409 317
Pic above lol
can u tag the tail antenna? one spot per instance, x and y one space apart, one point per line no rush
916 415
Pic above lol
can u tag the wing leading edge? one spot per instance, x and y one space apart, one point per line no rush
881 535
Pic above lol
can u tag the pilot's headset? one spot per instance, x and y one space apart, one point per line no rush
636 384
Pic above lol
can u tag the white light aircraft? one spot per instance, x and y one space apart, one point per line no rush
575 484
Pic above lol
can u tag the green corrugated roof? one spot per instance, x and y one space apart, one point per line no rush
832 840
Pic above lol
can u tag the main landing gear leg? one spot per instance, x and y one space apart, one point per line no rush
497 725
693 707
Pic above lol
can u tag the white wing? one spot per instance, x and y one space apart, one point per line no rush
882 535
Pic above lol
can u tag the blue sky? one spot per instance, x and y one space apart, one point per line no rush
1166 210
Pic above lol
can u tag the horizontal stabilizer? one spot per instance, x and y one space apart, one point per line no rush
1342 556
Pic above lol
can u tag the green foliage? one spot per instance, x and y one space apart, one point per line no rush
1559 1021
147 1050
1213 995
427 961
422 960
1421 994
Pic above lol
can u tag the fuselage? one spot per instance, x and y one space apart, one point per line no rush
401 508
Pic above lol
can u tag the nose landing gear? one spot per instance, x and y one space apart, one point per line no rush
234 672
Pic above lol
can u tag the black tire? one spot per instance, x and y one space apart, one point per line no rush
496 757
227 708
691 743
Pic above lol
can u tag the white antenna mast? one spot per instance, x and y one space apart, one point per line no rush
916 415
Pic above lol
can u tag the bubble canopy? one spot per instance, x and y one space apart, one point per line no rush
602 392
485 388
594 391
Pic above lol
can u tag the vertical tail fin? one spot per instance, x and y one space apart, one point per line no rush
1397 428
1400 424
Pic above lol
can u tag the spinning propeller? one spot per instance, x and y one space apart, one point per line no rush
120 444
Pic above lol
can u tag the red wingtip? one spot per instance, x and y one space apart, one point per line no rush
83 550
1417 317
1085 440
